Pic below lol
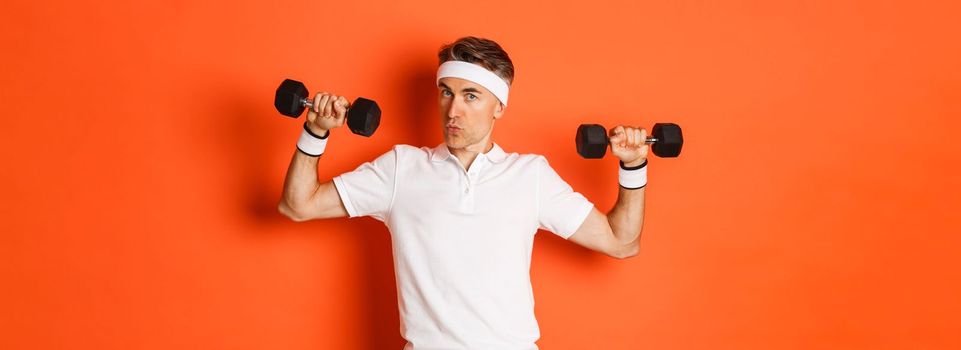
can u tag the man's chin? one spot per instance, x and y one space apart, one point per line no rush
451 142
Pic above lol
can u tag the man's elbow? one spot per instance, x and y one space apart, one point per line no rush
290 212
626 251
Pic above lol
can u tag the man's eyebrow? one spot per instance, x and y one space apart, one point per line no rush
470 89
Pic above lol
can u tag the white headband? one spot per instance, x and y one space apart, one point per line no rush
477 74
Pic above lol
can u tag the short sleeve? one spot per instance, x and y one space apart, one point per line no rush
560 209
369 189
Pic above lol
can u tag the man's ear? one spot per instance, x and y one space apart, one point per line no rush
499 110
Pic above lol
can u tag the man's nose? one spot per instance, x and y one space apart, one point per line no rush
454 109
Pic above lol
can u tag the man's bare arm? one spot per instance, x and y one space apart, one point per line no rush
627 220
618 233
304 197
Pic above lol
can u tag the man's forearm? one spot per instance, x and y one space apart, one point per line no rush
301 182
627 218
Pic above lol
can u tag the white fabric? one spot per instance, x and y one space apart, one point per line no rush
462 239
310 144
632 178
477 74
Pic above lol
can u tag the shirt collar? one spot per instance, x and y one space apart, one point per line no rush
441 153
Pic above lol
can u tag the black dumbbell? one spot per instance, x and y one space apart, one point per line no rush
363 116
592 141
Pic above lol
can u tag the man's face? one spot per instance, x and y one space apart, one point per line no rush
467 112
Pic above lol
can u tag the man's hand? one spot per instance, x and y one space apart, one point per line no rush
329 111
629 144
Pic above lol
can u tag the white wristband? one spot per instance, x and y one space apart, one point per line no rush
311 144
633 178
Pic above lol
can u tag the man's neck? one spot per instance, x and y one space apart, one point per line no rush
467 154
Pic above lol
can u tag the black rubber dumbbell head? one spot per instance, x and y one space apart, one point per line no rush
669 140
290 97
363 117
591 140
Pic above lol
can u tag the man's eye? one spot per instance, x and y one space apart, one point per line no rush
445 93
471 97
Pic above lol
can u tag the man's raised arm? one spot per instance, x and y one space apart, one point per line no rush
304 197
618 233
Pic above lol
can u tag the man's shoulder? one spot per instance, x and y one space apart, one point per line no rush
522 161
406 153
405 149
527 157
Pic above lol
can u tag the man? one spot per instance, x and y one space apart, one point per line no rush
462 215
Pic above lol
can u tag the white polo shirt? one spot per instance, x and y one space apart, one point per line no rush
462 239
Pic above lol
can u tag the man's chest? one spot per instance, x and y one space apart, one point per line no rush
492 196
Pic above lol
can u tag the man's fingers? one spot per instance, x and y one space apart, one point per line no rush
616 130
341 118
340 106
329 106
317 100
617 135
319 107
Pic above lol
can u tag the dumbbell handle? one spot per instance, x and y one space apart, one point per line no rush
309 103
647 140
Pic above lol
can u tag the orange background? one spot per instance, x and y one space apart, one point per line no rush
812 208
